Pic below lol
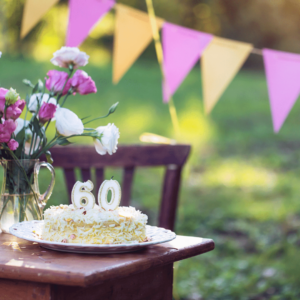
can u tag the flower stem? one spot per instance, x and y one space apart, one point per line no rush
61 93
24 173
68 94
31 142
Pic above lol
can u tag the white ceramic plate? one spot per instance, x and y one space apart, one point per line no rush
24 230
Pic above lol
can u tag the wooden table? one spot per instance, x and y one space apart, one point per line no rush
28 271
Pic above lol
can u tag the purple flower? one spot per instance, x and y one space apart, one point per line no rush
82 83
14 111
56 82
13 145
6 130
47 112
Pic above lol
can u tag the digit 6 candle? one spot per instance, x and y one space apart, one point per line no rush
82 196
114 187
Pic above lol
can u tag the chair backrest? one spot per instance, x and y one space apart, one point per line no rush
173 157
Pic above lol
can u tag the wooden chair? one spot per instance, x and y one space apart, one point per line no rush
173 157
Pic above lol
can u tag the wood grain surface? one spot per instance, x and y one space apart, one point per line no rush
24 290
22 260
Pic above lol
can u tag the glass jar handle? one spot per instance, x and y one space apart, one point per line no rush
43 198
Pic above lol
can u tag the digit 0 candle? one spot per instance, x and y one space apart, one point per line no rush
114 187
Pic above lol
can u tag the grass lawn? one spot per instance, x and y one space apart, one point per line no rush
240 187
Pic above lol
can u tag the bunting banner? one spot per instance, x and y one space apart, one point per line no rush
132 35
283 73
182 48
34 10
83 16
220 62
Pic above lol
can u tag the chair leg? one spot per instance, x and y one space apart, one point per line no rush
70 181
169 199
126 185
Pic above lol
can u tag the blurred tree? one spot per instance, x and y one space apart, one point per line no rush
268 23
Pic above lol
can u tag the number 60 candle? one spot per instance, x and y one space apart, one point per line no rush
83 197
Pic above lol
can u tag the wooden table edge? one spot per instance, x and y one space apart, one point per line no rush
92 278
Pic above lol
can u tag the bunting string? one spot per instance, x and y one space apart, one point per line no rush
256 51
160 58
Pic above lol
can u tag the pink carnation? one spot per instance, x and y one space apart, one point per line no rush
6 130
82 83
14 111
13 145
47 112
2 99
56 82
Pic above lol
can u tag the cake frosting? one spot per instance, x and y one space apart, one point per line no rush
68 224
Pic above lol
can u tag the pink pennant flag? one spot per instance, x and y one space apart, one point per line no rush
283 79
83 15
182 49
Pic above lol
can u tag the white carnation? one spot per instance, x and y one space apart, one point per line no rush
69 55
109 139
68 123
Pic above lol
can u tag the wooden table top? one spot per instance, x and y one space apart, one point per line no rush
23 260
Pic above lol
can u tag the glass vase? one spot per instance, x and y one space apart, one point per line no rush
20 196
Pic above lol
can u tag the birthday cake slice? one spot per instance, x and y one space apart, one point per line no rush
84 222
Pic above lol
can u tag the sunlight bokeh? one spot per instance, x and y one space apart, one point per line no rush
234 173
195 128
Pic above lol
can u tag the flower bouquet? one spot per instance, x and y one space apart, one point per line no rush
23 141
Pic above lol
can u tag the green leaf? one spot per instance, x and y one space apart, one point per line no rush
44 138
21 135
49 157
27 99
20 138
36 125
63 142
35 89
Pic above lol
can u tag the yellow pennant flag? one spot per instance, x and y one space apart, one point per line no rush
133 34
34 10
220 62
